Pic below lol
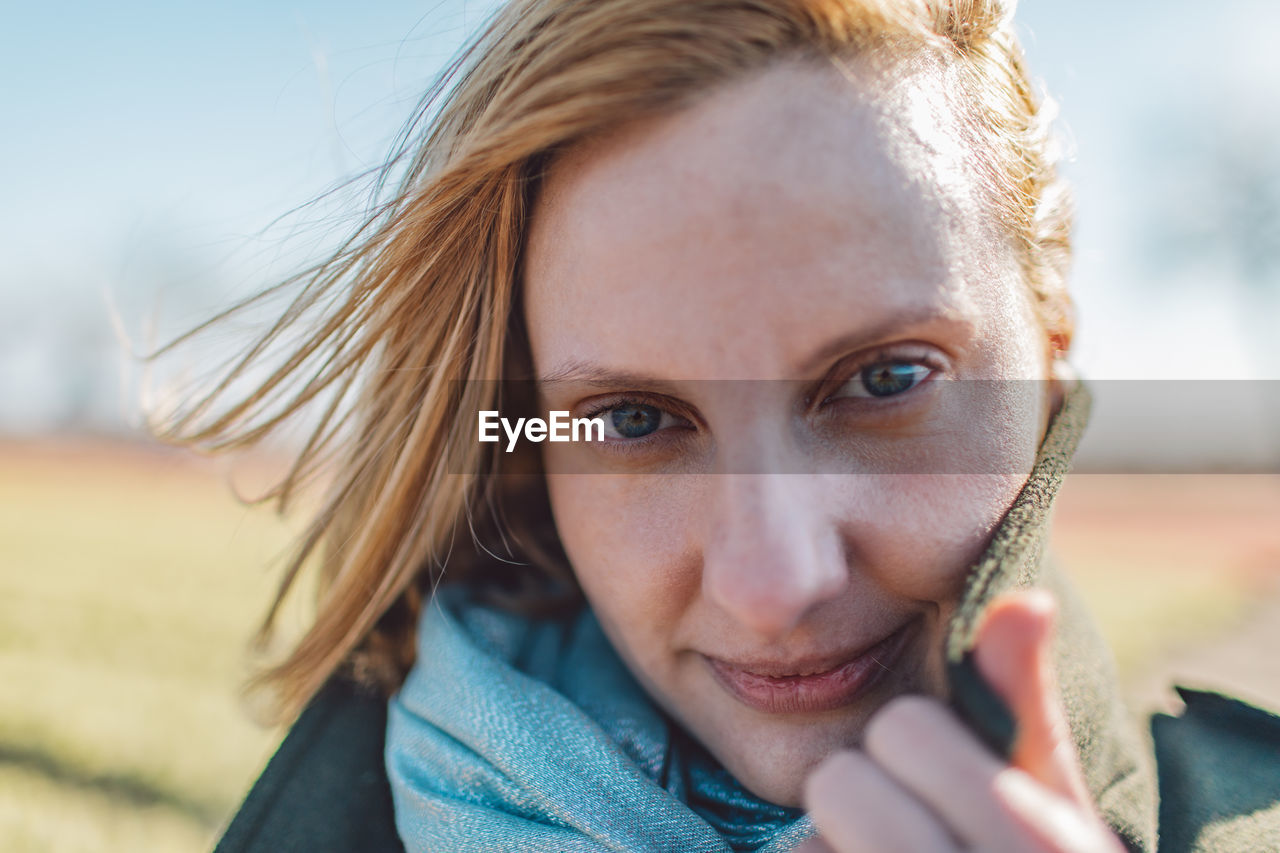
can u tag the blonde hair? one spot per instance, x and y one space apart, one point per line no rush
403 327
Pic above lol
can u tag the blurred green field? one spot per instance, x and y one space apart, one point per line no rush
131 580
1182 572
129 585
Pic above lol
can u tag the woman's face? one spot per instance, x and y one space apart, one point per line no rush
765 297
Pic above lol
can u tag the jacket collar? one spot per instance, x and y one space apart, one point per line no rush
1115 759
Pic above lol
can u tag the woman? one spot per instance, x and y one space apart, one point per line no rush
804 263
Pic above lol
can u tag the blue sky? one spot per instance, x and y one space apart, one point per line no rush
150 142
175 116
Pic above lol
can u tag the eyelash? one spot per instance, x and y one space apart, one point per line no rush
630 445
877 359
625 445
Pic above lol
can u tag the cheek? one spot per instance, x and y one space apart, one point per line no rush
626 538
916 535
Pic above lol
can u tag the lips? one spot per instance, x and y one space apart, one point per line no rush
814 685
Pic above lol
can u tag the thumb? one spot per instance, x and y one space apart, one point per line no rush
1014 655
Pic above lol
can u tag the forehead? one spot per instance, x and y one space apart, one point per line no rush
720 241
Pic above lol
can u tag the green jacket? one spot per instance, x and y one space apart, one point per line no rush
1211 786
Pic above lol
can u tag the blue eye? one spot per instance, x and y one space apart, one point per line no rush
885 379
633 420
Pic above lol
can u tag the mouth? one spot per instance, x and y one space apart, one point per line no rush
815 685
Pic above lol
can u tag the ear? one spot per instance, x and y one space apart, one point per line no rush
1059 344
1055 318
1062 378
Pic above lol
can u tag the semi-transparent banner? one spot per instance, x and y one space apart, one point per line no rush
884 425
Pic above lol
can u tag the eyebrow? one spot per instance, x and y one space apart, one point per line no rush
906 321
589 373
578 370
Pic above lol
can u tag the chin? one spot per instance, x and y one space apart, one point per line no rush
776 768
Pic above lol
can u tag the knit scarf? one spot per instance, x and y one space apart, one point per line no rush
518 734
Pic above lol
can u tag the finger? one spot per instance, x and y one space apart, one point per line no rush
858 807
812 845
1055 822
1014 654
930 753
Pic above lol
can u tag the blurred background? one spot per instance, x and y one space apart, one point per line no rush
152 155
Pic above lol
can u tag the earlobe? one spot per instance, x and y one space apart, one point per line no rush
1063 378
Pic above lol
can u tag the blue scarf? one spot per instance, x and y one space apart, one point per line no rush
515 734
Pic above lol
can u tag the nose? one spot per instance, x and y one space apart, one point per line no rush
772 554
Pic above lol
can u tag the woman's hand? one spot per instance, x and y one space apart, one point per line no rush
924 783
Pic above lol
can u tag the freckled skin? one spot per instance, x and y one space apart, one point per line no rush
731 241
